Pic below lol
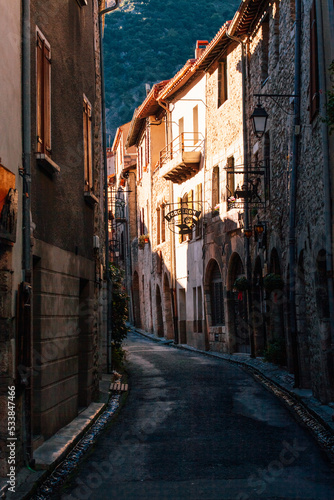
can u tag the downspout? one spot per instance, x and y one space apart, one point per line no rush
293 196
327 182
246 214
106 220
26 251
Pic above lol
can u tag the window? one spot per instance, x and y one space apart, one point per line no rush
215 187
216 296
276 31
198 206
141 221
265 51
147 149
43 95
161 231
222 82
314 78
181 133
191 206
195 124
158 226
87 139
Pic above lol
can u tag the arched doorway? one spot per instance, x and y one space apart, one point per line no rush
169 332
258 319
324 384
238 325
302 328
276 301
136 300
160 323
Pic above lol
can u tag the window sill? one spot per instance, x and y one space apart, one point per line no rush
45 162
90 198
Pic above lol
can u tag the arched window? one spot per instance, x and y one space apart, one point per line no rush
217 299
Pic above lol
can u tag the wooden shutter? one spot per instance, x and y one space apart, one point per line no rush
230 177
222 82
163 223
87 136
198 207
158 226
39 95
47 98
314 78
147 147
215 186
43 95
190 205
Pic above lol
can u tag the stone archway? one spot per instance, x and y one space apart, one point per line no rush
159 317
238 325
302 327
136 300
275 302
258 319
168 322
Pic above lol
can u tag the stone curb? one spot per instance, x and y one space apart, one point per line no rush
27 482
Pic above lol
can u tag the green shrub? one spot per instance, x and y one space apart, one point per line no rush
119 313
241 284
273 282
275 352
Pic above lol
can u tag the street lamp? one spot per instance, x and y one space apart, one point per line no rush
260 116
107 6
259 120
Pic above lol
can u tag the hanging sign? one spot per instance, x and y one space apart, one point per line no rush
184 219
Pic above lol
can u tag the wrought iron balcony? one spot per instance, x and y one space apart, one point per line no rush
181 158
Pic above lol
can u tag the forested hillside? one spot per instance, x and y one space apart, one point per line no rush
149 41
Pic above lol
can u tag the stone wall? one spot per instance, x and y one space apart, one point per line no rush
64 337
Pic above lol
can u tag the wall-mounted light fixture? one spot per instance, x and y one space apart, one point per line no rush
259 116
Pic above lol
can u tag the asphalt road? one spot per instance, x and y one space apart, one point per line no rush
198 428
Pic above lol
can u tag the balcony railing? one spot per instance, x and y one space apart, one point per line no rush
181 158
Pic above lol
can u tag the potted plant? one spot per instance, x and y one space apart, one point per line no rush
216 210
273 282
241 284
141 241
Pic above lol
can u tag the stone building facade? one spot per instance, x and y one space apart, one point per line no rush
266 266
51 260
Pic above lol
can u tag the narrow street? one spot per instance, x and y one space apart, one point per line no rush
198 428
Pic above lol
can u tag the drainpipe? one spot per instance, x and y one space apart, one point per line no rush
246 214
106 220
26 250
26 119
293 196
326 179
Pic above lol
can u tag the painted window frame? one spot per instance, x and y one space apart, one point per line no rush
43 94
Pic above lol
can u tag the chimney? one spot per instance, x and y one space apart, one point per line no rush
201 45
147 88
